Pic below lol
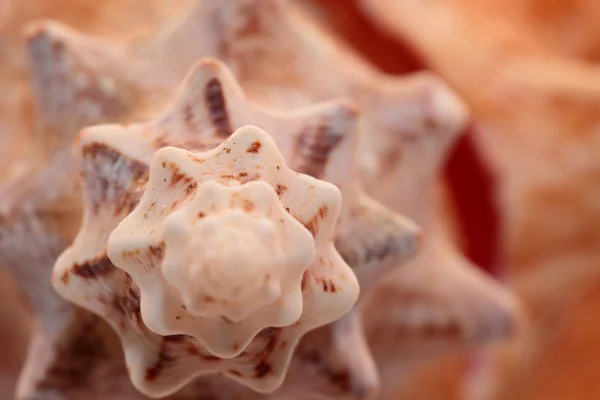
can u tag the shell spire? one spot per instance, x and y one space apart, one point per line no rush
45 207
228 297
162 210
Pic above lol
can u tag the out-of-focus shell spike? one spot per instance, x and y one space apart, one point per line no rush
419 120
372 238
323 363
320 148
209 103
444 305
227 28
77 81
357 368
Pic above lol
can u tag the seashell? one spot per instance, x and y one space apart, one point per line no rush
40 197
329 71
396 238
304 153
45 217
113 160
179 187
303 64
199 269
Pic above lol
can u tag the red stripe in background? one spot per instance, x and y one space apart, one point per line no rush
388 53
473 191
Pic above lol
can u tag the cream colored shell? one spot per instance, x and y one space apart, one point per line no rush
234 256
114 162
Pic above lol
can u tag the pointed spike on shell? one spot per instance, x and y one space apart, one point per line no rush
207 102
424 105
417 121
320 148
363 379
372 239
443 304
72 80
323 356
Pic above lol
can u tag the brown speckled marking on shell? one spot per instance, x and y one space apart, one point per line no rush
244 177
262 369
313 147
166 354
339 380
327 284
127 303
235 373
163 358
93 268
157 251
303 282
151 208
125 195
280 189
191 188
381 250
176 176
313 224
78 361
254 147
248 206
217 108
270 336
323 210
